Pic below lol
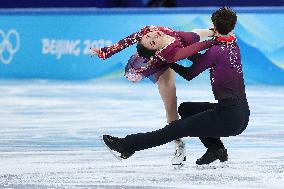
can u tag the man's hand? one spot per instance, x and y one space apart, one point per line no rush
150 62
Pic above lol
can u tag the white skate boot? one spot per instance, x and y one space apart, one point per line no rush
179 158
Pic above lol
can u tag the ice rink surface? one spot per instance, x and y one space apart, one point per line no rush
49 138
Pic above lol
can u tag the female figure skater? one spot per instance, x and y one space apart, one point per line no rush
155 47
208 121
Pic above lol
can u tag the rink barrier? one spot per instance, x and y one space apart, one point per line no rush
54 43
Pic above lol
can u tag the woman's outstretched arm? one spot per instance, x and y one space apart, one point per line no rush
107 52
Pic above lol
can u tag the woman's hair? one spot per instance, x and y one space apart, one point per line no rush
143 51
224 20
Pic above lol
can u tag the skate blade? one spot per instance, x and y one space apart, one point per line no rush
114 153
213 165
178 166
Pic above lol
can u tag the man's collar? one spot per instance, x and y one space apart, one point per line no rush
225 39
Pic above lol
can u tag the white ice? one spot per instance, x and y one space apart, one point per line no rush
49 138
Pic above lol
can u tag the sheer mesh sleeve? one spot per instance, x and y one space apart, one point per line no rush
183 53
188 37
124 43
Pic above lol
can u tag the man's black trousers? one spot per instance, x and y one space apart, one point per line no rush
208 121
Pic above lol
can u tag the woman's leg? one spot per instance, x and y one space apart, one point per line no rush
167 90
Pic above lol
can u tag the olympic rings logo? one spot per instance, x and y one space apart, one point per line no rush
8 46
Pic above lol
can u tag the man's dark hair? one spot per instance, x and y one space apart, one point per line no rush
143 51
224 20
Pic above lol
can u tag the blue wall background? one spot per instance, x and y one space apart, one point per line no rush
54 44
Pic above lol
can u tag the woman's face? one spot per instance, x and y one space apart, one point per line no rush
153 40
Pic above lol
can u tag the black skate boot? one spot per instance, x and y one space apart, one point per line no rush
115 144
212 155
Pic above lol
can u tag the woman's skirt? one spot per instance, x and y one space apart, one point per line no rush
137 68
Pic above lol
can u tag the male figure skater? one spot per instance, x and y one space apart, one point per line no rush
208 121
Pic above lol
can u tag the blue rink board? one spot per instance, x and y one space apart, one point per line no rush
54 43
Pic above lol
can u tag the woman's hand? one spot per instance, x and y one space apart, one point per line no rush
204 33
97 52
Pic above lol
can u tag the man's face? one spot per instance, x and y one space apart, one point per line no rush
153 40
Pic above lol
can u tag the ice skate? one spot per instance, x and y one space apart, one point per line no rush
116 147
180 157
212 155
